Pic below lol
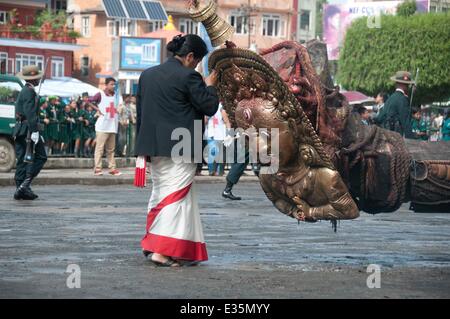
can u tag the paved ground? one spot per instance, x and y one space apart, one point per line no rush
255 251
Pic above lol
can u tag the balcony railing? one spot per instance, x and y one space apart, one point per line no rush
44 33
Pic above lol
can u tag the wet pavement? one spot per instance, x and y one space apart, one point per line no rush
254 251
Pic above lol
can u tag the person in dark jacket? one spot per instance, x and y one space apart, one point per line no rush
173 98
397 114
27 125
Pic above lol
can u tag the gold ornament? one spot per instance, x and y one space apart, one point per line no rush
218 29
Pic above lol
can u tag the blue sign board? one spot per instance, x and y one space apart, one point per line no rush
139 53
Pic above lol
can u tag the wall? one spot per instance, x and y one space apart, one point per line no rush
25 14
284 8
99 45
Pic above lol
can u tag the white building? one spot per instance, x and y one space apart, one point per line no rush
306 20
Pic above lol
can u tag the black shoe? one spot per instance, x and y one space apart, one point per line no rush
28 194
229 195
24 190
25 194
17 195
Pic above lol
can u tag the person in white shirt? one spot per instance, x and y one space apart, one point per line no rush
215 134
108 102
436 126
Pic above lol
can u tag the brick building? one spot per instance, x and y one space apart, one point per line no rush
258 23
101 23
19 47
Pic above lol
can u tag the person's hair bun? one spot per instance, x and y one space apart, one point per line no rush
176 43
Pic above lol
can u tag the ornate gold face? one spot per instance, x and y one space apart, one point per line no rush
260 114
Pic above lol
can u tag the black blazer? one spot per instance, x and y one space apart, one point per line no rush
170 96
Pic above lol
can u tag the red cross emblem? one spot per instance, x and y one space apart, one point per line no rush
215 121
111 110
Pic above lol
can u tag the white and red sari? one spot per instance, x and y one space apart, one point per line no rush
173 223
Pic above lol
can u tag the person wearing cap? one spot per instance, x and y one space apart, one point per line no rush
27 123
397 114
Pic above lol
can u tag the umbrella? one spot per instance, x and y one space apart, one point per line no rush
355 97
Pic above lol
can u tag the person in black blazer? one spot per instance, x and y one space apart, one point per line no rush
174 96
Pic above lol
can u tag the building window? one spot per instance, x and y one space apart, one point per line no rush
273 25
60 5
3 17
28 59
3 63
121 27
188 26
155 25
84 66
57 67
240 24
6 64
85 26
149 53
304 19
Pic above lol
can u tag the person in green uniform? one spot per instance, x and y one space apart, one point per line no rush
76 127
60 109
418 127
53 125
90 117
397 114
446 127
380 110
43 119
66 122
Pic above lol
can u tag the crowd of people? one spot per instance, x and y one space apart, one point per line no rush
69 129
426 124
69 125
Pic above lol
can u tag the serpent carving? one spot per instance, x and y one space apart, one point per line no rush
330 165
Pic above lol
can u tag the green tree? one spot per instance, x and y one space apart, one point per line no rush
407 8
57 20
371 55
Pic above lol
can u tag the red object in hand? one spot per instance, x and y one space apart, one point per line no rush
140 178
